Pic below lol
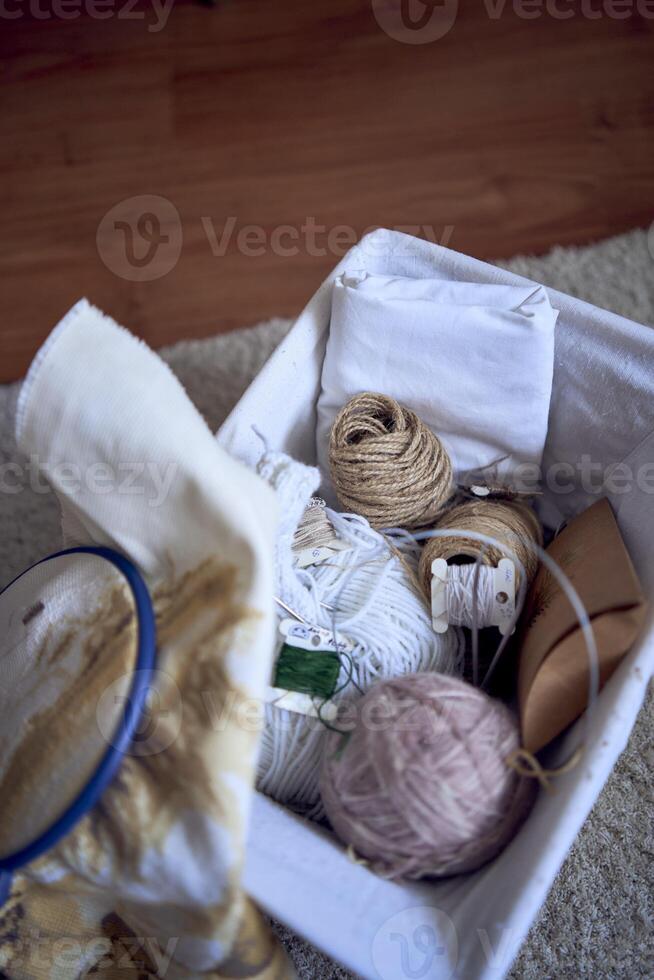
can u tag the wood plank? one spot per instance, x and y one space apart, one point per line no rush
507 135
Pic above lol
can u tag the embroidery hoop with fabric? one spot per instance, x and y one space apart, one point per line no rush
112 643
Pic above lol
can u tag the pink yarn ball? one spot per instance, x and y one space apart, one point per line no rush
421 786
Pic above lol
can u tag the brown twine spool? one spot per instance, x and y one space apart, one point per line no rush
387 465
510 521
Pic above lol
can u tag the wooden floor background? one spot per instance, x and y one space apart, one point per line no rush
506 135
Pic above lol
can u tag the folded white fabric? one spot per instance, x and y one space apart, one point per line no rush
474 361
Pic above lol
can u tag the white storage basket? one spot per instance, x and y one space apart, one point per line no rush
602 406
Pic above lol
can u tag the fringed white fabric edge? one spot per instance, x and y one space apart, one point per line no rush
81 306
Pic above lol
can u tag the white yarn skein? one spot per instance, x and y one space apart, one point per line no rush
380 609
374 603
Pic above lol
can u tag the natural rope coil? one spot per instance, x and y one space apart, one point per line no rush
387 465
511 522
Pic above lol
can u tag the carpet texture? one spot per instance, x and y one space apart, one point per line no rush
599 918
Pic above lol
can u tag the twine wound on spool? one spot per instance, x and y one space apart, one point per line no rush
512 523
476 596
387 465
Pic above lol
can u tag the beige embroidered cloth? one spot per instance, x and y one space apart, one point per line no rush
149 882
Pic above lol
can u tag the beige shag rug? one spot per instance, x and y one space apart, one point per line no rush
598 921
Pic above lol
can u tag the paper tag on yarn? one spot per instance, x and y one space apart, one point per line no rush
301 704
309 637
314 556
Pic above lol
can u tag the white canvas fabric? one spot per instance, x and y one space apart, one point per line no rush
474 361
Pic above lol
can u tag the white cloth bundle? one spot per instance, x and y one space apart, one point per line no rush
474 361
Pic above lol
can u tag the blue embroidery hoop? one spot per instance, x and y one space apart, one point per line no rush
122 739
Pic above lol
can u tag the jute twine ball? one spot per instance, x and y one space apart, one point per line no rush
387 465
510 521
422 787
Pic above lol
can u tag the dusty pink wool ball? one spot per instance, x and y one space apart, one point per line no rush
421 786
